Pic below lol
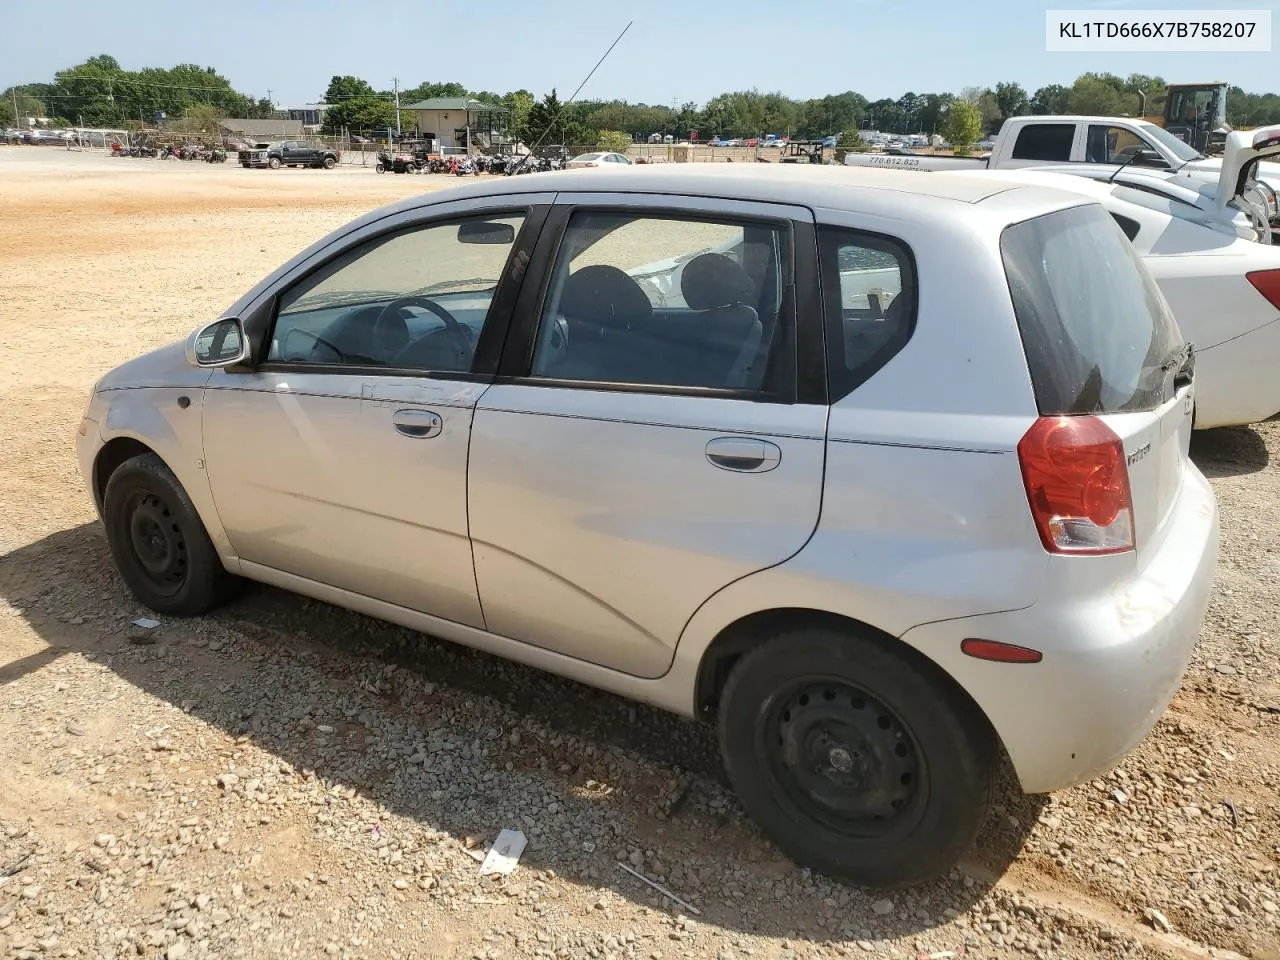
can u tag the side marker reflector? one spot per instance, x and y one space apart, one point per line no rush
999 652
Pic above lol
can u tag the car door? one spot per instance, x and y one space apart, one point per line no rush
658 424
341 457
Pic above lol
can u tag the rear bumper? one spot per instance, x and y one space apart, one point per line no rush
1238 381
1113 659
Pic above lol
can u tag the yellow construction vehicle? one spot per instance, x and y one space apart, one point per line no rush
1195 113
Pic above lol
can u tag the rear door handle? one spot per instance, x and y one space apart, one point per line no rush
418 424
743 454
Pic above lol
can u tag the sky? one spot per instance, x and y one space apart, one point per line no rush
675 51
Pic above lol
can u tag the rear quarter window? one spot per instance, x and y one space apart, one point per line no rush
1097 333
869 292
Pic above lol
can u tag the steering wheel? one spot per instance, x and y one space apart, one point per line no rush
459 333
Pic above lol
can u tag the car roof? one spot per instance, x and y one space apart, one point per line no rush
815 186
1077 117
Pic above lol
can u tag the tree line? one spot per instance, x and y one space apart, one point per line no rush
99 93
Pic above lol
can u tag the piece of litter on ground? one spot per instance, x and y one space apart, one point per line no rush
146 623
504 854
661 889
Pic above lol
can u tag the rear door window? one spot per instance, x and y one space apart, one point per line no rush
1098 335
1045 141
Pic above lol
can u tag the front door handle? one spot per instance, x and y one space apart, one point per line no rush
418 424
744 454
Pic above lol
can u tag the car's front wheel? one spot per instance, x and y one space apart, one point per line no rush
330 163
158 541
859 761
274 163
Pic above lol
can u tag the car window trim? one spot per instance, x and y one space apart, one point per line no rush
797 224
498 319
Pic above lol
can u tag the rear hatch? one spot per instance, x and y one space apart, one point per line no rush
1241 161
1105 357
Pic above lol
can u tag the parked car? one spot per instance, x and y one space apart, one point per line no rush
1032 141
872 529
598 160
1221 282
290 153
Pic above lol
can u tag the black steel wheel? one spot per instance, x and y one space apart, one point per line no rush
841 757
158 541
856 755
157 544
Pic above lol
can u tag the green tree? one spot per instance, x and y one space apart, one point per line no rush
886 116
963 125
518 104
615 141
360 115
347 87
990 112
549 123
821 118
201 119
1012 99
428 91
930 112
1093 96
850 142
1051 99
28 105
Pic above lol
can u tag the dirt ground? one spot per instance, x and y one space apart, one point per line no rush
289 779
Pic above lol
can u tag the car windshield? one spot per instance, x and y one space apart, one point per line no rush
589 156
1175 146
1098 335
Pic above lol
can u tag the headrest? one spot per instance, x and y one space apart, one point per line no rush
605 296
712 280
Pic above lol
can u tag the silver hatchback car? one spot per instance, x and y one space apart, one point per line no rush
880 473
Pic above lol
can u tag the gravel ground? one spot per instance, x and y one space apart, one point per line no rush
289 779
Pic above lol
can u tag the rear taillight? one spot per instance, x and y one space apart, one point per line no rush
1267 283
1078 485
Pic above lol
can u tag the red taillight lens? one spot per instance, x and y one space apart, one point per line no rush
1078 485
1267 283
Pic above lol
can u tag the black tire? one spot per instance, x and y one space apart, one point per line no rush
379 168
861 762
159 543
330 163
274 163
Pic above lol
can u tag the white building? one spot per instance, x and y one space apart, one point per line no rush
458 122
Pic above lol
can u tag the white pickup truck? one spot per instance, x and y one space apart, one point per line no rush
1038 140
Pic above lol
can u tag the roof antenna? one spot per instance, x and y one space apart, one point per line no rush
565 106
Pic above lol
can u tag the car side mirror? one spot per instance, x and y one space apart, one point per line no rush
1149 158
219 344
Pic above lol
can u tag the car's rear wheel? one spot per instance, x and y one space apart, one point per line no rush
859 761
158 541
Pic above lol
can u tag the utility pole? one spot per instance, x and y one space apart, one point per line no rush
395 85
14 91
270 103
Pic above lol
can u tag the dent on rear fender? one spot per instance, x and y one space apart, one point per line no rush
153 417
